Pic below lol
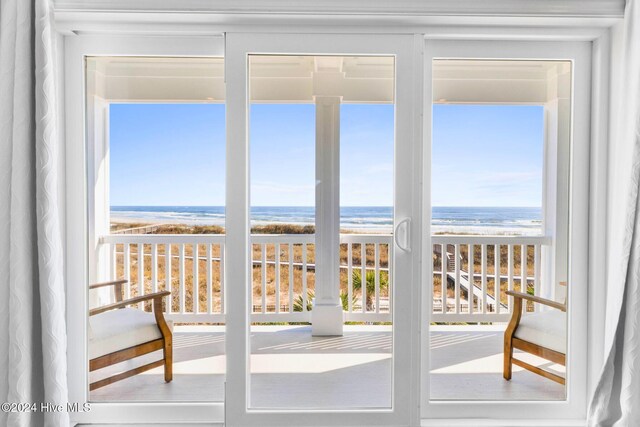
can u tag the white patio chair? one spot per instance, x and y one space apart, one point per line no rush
543 333
118 333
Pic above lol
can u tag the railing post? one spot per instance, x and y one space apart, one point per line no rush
327 315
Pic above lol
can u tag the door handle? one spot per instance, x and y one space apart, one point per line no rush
407 234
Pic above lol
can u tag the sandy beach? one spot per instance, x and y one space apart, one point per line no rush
121 223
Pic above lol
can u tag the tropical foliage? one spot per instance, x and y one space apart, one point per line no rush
370 278
298 303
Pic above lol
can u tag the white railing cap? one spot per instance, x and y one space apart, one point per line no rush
310 238
490 240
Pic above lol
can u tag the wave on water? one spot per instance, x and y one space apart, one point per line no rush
476 220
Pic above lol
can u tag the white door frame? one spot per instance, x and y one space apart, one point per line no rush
574 407
407 159
76 236
79 172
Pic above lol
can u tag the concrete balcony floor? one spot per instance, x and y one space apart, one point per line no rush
292 369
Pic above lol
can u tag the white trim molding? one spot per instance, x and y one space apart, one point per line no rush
483 422
543 8
577 19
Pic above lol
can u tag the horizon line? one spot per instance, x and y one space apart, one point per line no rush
308 206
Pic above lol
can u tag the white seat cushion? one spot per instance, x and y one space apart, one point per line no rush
547 329
119 329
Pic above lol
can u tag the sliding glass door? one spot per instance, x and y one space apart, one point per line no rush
320 253
157 127
504 273
320 226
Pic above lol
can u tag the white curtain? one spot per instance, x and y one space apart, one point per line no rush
616 400
32 311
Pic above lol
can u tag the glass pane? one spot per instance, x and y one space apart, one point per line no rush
500 168
321 150
157 135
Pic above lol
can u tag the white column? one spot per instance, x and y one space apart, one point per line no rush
98 192
549 199
555 211
327 316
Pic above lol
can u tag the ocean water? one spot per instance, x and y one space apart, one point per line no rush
480 220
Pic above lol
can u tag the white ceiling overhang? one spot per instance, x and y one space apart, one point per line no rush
499 82
300 79
274 79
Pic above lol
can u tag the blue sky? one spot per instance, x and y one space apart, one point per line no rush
283 155
487 155
170 155
174 155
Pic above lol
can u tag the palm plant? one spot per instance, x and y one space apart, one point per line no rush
344 297
370 278
298 303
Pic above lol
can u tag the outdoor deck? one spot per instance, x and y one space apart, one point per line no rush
290 368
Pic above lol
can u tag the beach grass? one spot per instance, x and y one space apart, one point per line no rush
161 269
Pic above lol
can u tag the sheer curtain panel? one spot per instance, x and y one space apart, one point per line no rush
32 311
615 401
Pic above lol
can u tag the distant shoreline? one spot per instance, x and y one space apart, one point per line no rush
353 219
141 222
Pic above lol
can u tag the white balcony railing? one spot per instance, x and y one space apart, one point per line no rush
167 263
283 274
472 288
282 285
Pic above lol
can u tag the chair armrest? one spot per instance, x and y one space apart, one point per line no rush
538 300
103 284
156 296
117 284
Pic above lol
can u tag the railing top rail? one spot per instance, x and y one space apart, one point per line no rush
163 238
144 228
365 238
255 238
490 240
282 238
310 239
